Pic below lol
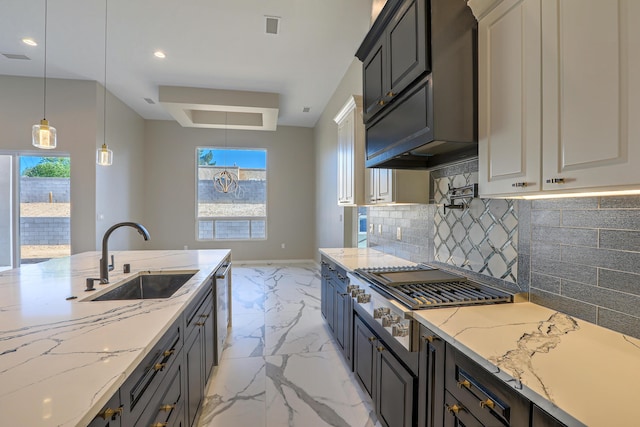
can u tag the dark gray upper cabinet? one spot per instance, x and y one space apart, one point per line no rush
399 56
420 84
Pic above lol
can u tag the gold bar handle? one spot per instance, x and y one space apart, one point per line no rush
200 323
464 383
159 366
204 315
110 413
380 349
168 353
487 404
454 409
372 339
167 408
430 338
159 425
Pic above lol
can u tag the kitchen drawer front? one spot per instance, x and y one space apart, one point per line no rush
197 311
166 405
333 270
138 389
483 394
456 415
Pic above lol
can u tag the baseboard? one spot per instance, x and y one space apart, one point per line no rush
274 261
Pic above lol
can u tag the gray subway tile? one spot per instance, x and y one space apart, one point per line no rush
563 270
620 202
620 322
568 203
625 303
622 240
619 281
569 306
524 270
567 236
604 258
545 250
607 219
545 218
546 283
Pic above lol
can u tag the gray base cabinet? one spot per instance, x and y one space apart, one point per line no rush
431 379
337 305
390 384
110 415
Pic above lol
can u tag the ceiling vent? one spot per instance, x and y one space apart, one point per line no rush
272 24
306 109
16 56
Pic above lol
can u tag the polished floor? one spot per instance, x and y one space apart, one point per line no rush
280 366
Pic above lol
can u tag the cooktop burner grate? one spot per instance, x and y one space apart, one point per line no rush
431 295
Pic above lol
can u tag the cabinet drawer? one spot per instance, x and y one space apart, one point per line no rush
456 415
137 391
482 394
166 404
197 312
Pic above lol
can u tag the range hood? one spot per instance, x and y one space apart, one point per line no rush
434 120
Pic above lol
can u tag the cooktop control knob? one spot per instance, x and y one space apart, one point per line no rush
389 320
380 312
400 330
364 298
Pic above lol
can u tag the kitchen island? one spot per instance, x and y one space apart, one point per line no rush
578 372
62 357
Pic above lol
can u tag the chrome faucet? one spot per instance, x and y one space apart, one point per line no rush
105 267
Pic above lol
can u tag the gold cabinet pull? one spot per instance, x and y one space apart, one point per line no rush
200 323
204 315
487 404
381 102
110 413
380 349
167 408
454 409
168 353
430 338
464 383
372 339
159 425
159 366
391 94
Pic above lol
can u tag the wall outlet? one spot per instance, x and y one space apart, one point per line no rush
398 233
370 228
379 228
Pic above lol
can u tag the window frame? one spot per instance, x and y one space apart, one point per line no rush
231 218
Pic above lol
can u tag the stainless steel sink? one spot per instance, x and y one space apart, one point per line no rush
147 285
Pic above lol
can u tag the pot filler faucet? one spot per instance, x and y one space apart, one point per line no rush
105 267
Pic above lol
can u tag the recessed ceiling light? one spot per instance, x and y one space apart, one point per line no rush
29 41
159 54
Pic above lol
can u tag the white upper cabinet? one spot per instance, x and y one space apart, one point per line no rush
509 131
557 96
351 175
591 94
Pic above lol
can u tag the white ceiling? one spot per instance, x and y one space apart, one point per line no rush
216 44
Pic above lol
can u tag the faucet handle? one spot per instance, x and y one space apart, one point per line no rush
90 282
113 263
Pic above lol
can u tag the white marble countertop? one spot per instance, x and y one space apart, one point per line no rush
352 258
61 360
573 369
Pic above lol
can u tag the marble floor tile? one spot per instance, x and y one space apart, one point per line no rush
314 389
301 331
246 337
281 366
235 395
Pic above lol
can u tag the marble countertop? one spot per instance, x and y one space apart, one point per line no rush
61 360
575 370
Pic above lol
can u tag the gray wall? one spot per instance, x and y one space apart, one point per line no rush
44 231
36 190
330 228
170 188
75 110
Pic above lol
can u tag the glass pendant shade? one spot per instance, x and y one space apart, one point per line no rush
225 182
43 135
104 156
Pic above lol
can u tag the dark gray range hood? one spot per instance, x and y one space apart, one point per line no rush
434 119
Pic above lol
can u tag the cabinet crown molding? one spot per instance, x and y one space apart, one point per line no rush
353 102
481 7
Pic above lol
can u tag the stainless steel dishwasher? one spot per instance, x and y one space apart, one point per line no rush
223 306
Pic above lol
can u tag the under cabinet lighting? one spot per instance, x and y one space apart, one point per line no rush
587 194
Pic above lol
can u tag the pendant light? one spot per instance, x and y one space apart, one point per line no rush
225 181
104 156
44 135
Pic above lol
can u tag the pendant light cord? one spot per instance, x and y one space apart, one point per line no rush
46 7
104 108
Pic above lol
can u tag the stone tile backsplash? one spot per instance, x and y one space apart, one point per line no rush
580 256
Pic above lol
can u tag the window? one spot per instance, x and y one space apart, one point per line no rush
239 214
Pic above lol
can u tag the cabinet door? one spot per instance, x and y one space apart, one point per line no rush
591 103
510 125
330 308
431 380
407 42
340 313
209 340
373 80
323 292
363 355
385 186
194 373
346 160
395 390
